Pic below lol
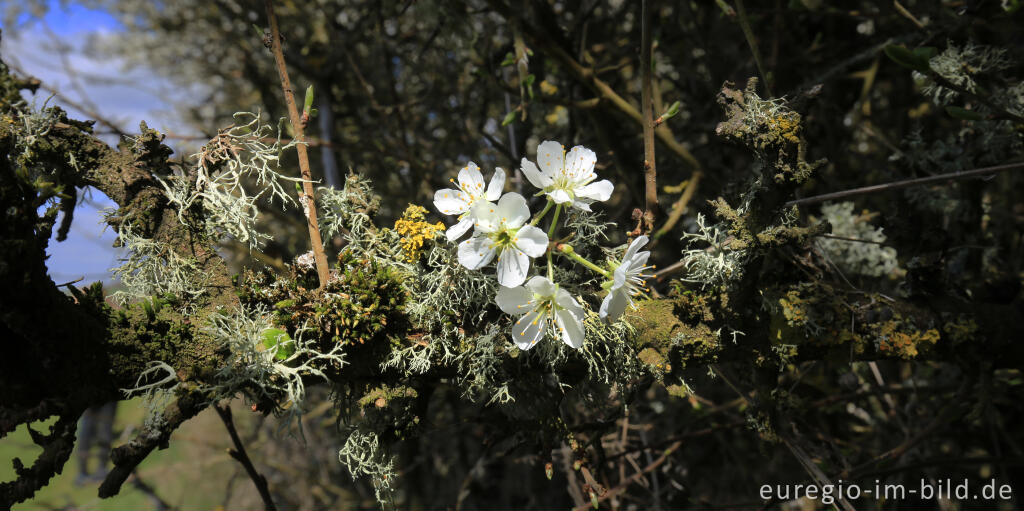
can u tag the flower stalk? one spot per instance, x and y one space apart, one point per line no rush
569 252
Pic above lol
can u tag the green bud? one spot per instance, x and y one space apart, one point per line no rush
308 103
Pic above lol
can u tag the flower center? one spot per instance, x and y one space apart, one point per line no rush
504 237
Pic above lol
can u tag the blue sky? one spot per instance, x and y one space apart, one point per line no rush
138 94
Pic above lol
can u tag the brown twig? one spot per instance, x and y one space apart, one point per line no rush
680 205
239 454
752 42
899 185
907 14
94 115
632 479
308 199
588 77
647 94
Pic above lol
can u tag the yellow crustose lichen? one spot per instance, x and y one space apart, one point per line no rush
415 230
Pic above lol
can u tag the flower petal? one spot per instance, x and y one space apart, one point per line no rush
512 210
475 252
513 265
533 175
496 185
579 163
551 158
532 240
582 204
541 286
614 304
571 328
528 330
599 191
471 180
636 264
618 277
640 241
451 202
566 301
486 216
514 300
559 196
456 231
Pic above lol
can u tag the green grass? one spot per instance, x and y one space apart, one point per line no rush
193 473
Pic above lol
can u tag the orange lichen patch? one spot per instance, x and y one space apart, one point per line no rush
786 126
415 231
897 337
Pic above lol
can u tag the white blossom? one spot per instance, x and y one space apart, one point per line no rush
470 193
544 308
306 261
627 280
500 229
567 178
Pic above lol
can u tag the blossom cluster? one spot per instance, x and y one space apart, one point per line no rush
503 229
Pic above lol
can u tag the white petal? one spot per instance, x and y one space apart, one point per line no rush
471 180
533 175
486 216
559 196
512 210
451 202
619 277
541 286
550 157
579 163
532 240
496 185
638 262
528 330
566 301
571 328
513 265
640 241
614 304
514 300
599 191
456 231
582 204
475 252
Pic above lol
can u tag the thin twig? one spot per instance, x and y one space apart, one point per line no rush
907 14
855 240
308 199
635 477
647 94
239 454
94 115
752 42
680 205
899 185
587 77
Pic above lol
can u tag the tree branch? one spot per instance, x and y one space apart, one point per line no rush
239 454
650 167
309 198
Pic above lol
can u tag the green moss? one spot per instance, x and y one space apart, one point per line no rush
656 323
381 397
